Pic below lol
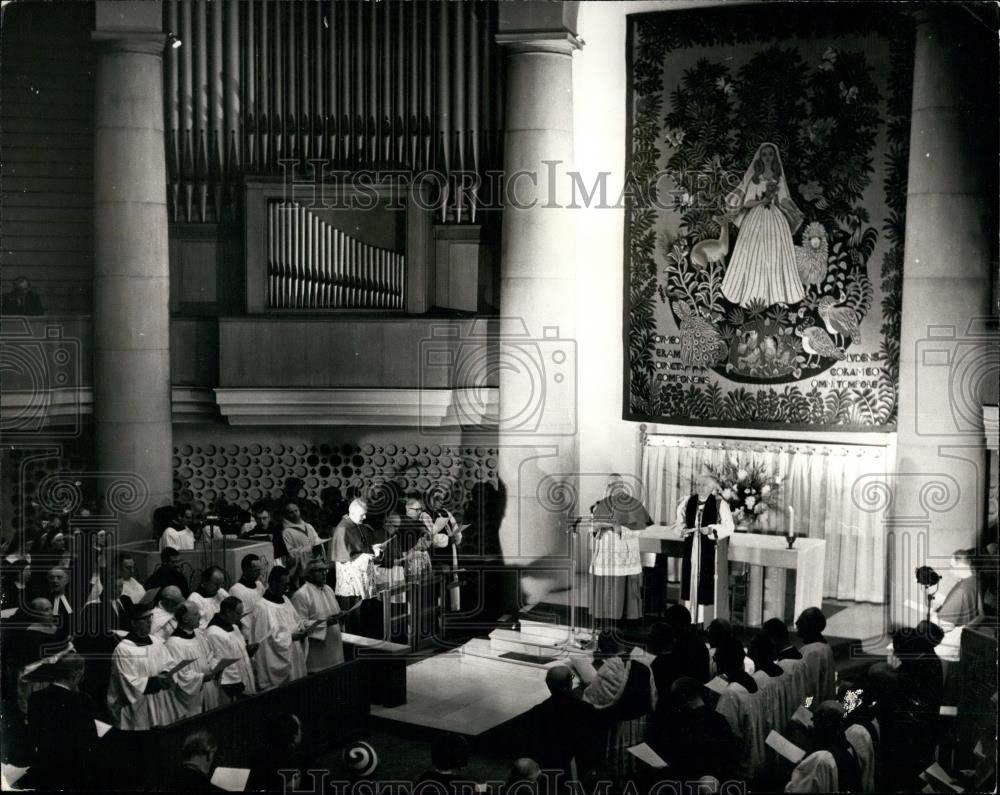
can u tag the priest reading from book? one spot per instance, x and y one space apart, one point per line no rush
705 520
618 519
142 668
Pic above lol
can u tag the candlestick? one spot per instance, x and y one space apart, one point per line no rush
791 526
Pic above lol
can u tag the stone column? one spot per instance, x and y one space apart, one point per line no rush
538 400
947 357
131 274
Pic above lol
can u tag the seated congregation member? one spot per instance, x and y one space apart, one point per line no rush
691 652
833 765
227 642
449 755
131 587
14 585
260 521
666 664
194 774
164 620
169 573
962 605
353 555
817 652
562 728
62 730
315 601
738 705
695 740
196 686
300 539
32 638
139 695
278 629
777 631
179 534
280 765
210 593
622 691
249 588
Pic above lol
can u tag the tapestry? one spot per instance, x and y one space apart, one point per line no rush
764 209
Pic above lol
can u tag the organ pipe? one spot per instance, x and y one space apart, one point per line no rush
394 85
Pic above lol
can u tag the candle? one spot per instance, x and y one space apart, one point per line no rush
791 521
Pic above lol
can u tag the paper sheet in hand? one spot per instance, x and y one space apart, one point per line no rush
12 774
803 716
231 779
225 662
102 727
948 710
647 755
785 747
180 666
718 685
936 773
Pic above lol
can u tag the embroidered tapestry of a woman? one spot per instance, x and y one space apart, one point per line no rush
762 266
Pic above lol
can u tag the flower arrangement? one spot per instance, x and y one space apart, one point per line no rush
750 489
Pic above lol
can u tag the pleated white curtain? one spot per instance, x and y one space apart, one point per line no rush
818 482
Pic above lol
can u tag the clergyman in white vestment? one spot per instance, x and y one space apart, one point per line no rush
315 601
139 693
278 627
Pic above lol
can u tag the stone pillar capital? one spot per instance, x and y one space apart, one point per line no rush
142 42
557 42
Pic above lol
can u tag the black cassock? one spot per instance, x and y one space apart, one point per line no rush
707 559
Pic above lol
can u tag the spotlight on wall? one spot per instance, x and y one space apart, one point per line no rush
173 41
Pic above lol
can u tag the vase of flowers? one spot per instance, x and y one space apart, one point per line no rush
750 489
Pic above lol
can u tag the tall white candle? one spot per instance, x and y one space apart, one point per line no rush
791 521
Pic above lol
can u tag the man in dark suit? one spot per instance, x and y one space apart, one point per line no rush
169 573
197 757
695 740
562 728
62 729
22 300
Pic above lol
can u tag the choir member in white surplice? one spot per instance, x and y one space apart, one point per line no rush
301 540
162 621
704 519
834 765
226 639
210 593
279 630
249 588
197 685
315 601
139 695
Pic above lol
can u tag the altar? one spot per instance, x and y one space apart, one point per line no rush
807 559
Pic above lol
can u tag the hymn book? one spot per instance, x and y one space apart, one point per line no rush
643 752
785 747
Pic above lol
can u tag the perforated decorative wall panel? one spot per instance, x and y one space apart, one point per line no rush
241 474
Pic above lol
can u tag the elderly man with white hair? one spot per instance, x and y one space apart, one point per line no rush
704 520
315 601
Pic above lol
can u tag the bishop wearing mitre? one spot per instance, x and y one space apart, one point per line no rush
706 522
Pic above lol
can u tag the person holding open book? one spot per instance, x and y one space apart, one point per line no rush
833 766
139 694
279 630
197 685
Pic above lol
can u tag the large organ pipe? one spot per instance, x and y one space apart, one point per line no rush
398 84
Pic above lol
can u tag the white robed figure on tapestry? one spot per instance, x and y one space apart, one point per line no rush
762 267
704 519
